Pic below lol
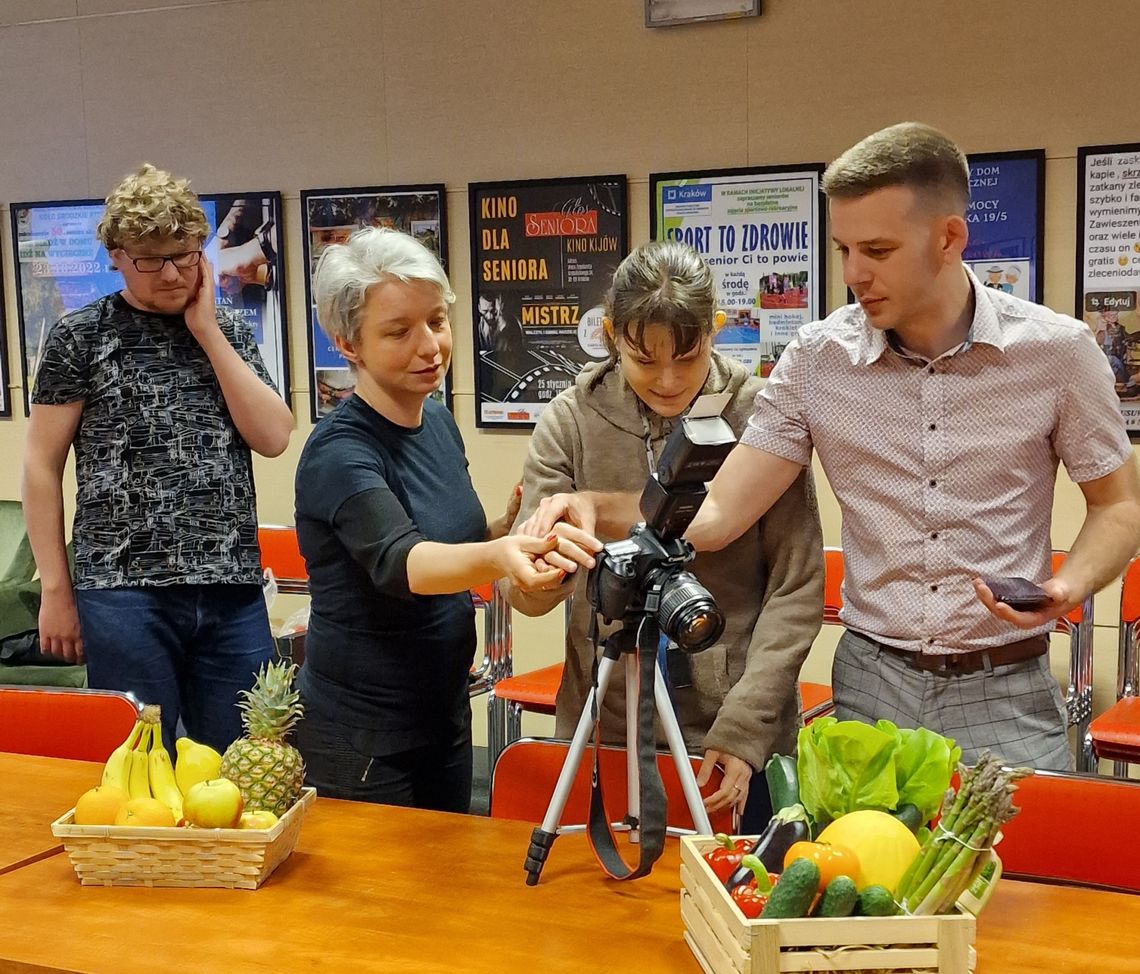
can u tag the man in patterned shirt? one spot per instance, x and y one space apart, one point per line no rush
940 410
163 398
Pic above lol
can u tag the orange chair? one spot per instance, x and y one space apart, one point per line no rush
1078 625
488 599
1074 828
815 698
511 695
832 586
83 725
1115 734
527 770
281 555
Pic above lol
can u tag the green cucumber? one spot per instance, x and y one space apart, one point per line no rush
876 901
783 781
838 899
794 890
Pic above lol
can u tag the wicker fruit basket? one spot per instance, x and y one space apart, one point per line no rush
104 855
726 943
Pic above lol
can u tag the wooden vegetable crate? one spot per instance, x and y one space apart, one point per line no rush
104 855
726 943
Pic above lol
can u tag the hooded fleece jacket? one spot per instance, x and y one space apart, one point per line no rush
768 583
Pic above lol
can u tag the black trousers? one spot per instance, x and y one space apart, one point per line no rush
435 776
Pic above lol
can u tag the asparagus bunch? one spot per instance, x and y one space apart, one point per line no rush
960 845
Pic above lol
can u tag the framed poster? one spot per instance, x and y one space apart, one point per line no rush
5 391
761 230
61 266
1007 222
1108 263
543 255
330 216
667 13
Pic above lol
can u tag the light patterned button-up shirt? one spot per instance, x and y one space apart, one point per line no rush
943 469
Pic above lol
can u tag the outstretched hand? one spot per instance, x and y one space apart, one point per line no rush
577 509
733 788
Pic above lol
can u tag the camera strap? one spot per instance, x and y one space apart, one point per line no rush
651 790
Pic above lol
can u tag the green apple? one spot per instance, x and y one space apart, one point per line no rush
262 819
213 804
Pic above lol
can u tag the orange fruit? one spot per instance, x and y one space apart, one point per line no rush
100 806
145 813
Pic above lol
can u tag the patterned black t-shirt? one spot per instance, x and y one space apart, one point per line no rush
165 481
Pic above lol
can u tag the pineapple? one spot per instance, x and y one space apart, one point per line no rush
268 771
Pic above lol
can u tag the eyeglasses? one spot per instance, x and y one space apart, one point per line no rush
153 265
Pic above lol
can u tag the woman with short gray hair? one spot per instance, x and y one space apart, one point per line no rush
393 537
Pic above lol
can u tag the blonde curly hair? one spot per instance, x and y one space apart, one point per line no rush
152 204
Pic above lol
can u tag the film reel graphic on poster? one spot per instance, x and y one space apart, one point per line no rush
542 257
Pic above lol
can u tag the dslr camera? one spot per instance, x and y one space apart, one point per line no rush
645 572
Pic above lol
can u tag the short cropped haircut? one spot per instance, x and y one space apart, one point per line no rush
908 154
151 205
371 256
662 283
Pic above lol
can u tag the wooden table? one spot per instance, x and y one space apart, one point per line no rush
371 888
34 794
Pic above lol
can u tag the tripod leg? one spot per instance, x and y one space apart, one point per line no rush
680 755
543 836
632 779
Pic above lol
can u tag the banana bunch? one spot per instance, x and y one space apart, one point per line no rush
141 766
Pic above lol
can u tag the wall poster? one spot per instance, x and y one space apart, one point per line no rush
761 230
5 391
543 255
1007 222
1108 263
61 266
330 216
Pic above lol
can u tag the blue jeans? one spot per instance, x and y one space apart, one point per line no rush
188 648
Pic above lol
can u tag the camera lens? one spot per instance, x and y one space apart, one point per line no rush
688 614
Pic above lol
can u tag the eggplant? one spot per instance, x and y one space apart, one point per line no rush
785 828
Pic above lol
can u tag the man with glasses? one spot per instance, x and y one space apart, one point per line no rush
162 397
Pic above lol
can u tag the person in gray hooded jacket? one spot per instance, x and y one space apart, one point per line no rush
588 461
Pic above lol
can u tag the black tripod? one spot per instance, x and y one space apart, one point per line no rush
636 641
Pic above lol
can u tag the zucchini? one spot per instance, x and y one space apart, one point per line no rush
876 901
792 895
783 781
909 815
838 899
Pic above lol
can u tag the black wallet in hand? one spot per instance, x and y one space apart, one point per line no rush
1018 593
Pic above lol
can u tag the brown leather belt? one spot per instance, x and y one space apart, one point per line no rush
970 662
